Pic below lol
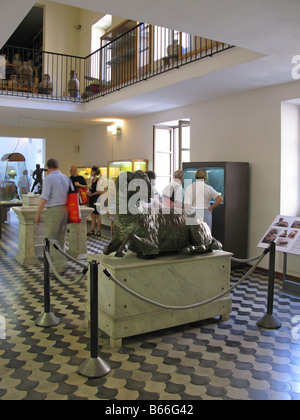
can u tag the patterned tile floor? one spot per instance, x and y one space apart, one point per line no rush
204 360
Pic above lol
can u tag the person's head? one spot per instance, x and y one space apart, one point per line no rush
151 175
179 175
73 171
96 171
201 174
52 165
38 166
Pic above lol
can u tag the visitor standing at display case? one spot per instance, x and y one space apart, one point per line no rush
80 185
199 197
172 195
155 199
94 194
77 180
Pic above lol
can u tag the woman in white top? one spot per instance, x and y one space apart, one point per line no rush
199 195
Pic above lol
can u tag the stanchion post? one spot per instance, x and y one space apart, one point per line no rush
94 367
271 321
48 319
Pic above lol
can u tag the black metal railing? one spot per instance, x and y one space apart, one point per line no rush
143 52
46 75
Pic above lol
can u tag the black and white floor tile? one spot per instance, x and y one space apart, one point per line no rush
233 360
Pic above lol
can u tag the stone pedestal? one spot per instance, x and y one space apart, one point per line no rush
174 280
31 236
78 234
31 200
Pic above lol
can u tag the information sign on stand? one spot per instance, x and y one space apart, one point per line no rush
285 232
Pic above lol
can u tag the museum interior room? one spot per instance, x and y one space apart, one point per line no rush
152 307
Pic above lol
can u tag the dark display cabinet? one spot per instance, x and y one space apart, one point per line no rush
230 219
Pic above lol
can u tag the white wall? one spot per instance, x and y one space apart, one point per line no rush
60 36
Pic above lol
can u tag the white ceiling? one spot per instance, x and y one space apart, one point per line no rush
269 27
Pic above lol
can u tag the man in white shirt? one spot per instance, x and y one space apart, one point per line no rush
172 195
54 197
198 197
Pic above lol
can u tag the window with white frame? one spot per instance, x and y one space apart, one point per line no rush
172 148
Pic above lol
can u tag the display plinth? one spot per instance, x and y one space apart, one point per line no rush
31 235
78 235
174 280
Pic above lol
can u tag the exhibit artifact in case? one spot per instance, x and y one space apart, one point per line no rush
133 165
14 179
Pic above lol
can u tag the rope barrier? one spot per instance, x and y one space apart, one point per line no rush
56 246
95 367
238 260
57 275
145 299
193 306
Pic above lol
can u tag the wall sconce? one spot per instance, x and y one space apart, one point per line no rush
112 129
115 130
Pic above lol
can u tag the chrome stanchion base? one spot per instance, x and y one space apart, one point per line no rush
269 322
47 320
94 368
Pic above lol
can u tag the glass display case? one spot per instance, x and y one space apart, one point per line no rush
14 179
231 219
117 167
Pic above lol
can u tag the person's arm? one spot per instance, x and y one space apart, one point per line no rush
81 183
40 210
178 196
77 184
101 187
219 200
188 198
97 192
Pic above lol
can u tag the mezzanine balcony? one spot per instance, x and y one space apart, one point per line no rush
143 52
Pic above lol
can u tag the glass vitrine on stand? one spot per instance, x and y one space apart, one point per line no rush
117 167
14 180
